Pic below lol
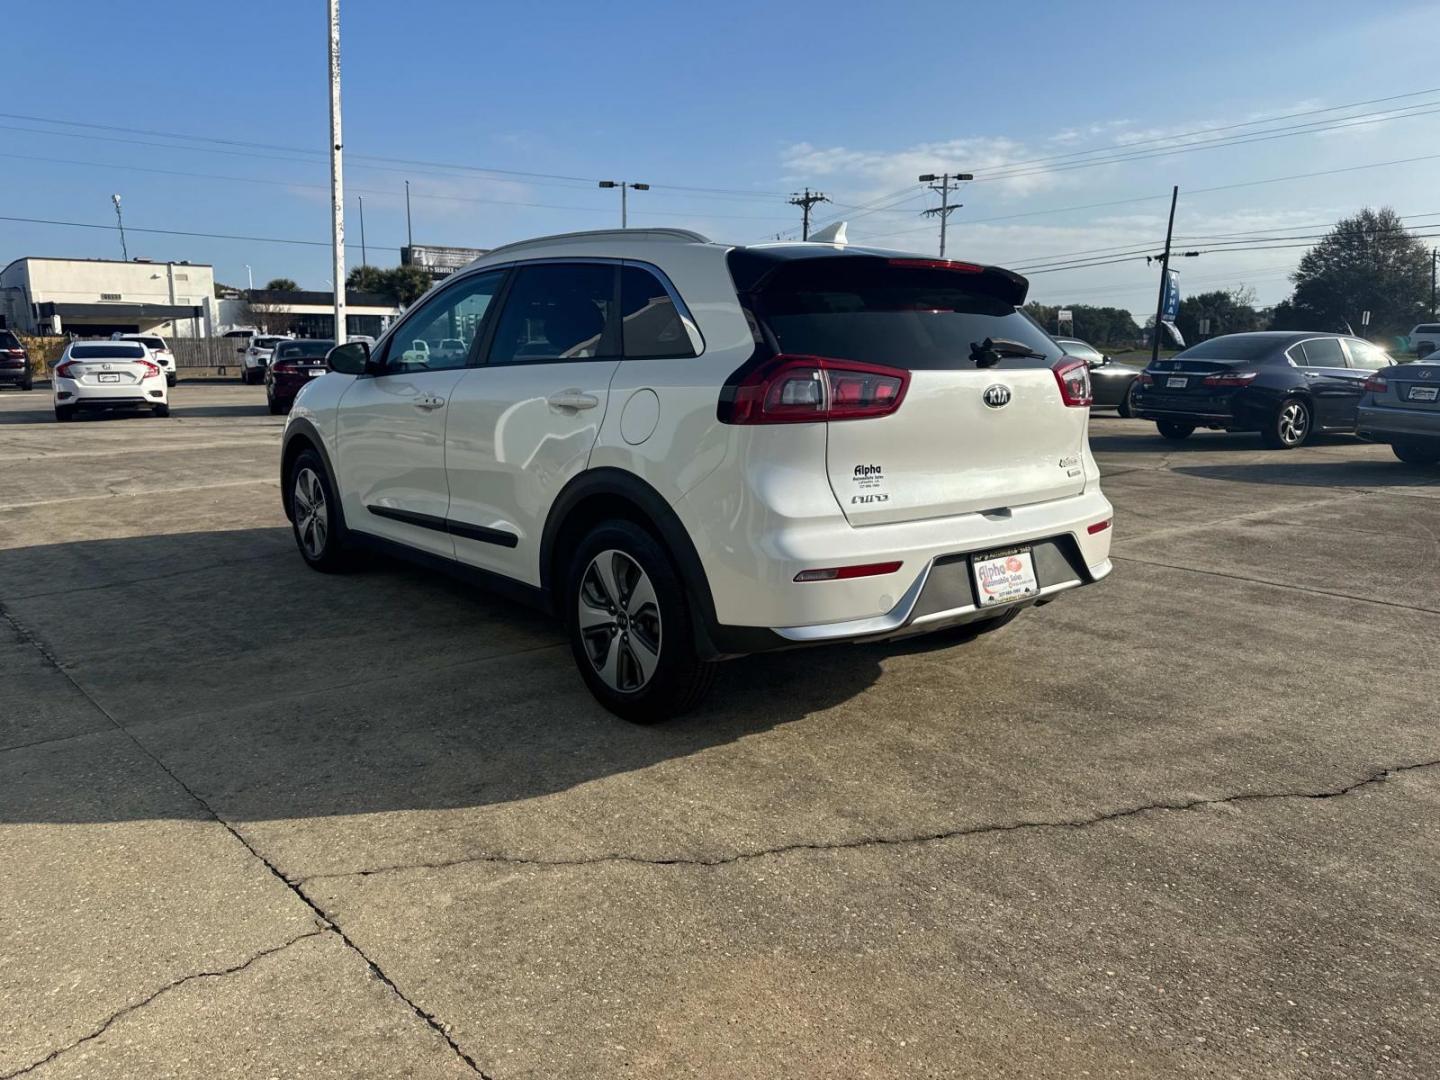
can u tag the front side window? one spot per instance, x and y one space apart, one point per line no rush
1324 352
439 336
650 324
558 312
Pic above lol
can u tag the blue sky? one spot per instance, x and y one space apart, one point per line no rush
751 100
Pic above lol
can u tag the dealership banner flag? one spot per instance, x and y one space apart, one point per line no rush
1170 309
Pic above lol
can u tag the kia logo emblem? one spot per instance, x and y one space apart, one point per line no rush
996 396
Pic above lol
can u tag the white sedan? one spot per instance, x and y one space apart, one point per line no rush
108 375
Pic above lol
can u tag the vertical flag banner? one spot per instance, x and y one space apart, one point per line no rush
1170 309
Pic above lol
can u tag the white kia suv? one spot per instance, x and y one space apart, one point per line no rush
692 451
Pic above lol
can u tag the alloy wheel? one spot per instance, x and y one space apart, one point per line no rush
620 621
312 517
1294 423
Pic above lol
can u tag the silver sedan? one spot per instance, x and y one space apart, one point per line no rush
1401 407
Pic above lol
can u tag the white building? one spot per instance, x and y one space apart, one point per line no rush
98 297
306 314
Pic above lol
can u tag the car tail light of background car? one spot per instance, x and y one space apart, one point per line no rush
284 367
1144 379
1073 376
1231 378
1376 384
810 389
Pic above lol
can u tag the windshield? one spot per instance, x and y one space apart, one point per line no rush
914 319
1232 347
266 342
290 349
120 350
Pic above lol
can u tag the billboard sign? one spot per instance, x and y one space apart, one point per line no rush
439 262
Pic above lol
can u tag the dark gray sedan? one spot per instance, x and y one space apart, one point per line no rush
1109 379
1401 406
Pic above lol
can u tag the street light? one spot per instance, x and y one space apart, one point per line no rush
624 186
249 277
124 252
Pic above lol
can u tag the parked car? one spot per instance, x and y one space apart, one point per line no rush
1109 379
108 375
15 369
293 364
159 352
755 448
1401 407
1425 339
255 357
1285 385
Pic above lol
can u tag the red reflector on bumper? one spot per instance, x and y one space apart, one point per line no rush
839 573
1098 527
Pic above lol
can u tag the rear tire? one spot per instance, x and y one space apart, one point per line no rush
1173 429
630 626
1123 409
170 380
315 519
1417 453
64 413
28 384
1290 427
161 410
273 405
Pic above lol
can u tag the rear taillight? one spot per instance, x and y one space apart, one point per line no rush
1376 384
1144 379
1074 379
842 573
70 370
1242 378
283 366
1098 527
149 370
14 354
809 389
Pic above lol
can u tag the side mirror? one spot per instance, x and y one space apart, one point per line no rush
241 349
352 358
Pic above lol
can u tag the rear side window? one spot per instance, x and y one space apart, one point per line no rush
650 324
1323 352
558 312
1368 357
1080 349
118 351
854 309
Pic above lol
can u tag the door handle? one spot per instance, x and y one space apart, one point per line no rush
429 402
1311 374
572 399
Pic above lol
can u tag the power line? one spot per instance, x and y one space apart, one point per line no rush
179 232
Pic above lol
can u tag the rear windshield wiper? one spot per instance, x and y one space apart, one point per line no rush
991 351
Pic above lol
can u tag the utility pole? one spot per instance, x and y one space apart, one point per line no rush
1164 277
364 261
1434 261
124 252
337 177
624 186
409 232
805 202
945 208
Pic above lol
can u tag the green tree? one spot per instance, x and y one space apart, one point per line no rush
282 284
369 279
1368 262
1104 327
402 284
1230 311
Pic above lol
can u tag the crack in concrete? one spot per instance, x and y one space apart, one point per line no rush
1374 777
176 984
428 1018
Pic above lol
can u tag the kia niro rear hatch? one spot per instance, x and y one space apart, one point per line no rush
941 397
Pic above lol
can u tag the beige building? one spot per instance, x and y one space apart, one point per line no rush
98 297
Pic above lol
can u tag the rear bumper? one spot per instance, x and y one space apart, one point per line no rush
10 375
69 392
1385 424
1241 410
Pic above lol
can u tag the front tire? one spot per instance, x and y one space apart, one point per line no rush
1290 427
630 626
315 515
1417 453
1173 429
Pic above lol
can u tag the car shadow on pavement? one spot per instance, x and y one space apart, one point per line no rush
279 693
180 409
1145 440
1367 473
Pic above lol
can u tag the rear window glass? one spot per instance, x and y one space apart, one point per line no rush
1231 347
119 350
288 349
267 342
915 319
149 342
650 323
8 340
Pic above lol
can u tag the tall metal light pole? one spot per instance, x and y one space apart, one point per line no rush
249 277
624 186
364 261
124 252
337 178
945 208
409 232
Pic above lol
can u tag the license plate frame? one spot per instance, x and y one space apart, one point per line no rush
1423 393
312 372
1004 577
108 377
1177 382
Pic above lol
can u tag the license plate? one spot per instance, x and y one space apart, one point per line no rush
1424 393
112 377
1177 382
316 371
1004 578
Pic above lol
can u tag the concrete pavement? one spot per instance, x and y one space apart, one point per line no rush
260 821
